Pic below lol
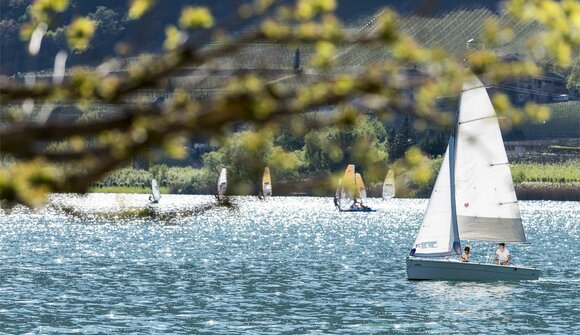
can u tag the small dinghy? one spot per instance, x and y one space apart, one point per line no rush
473 199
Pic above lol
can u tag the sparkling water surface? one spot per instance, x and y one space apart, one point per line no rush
285 265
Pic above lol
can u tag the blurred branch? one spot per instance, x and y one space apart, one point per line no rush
94 148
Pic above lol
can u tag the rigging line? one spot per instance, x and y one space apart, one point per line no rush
523 90
473 88
496 164
478 119
528 91
509 202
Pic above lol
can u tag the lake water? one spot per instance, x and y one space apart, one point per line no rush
286 265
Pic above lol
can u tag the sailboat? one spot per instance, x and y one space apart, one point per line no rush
266 183
338 194
389 185
222 184
473 199
155 194
352 192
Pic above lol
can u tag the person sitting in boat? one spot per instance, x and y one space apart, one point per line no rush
336 202
465 255
502 255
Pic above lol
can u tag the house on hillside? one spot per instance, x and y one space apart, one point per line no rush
547 88
543 89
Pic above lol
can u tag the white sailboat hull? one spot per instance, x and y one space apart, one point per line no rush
444 269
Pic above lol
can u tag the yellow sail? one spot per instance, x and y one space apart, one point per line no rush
360 185
267 183
348 181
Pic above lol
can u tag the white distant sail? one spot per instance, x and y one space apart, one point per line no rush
389 185
266 183
487 207
222 184
338 189
155 194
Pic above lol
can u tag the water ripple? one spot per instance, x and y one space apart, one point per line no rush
287 265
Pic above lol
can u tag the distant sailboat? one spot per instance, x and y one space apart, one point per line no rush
338 194
352 192
360 186
389 185
266 183
222 184
155 194
473 198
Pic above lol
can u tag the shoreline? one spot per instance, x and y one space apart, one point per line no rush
524 191
548 191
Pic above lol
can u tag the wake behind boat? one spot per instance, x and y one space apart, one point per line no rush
473 199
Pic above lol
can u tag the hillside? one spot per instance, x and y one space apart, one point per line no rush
147 34
445 24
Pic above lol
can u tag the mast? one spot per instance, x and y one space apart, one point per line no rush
452 159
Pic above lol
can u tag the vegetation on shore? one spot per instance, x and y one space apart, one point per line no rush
233 101
126 189
548 191
566 172
533 181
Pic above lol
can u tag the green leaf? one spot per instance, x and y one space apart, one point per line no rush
80 32
195 18
140 7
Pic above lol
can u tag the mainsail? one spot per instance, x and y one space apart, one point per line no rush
155 194
266 183
487 207
473 197
222 183
389 185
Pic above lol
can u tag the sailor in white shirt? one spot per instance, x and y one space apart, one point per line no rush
502 255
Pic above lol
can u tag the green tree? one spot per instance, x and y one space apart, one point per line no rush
362 144
402 138
573 79
246 154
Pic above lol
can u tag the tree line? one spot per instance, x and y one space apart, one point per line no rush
63 157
